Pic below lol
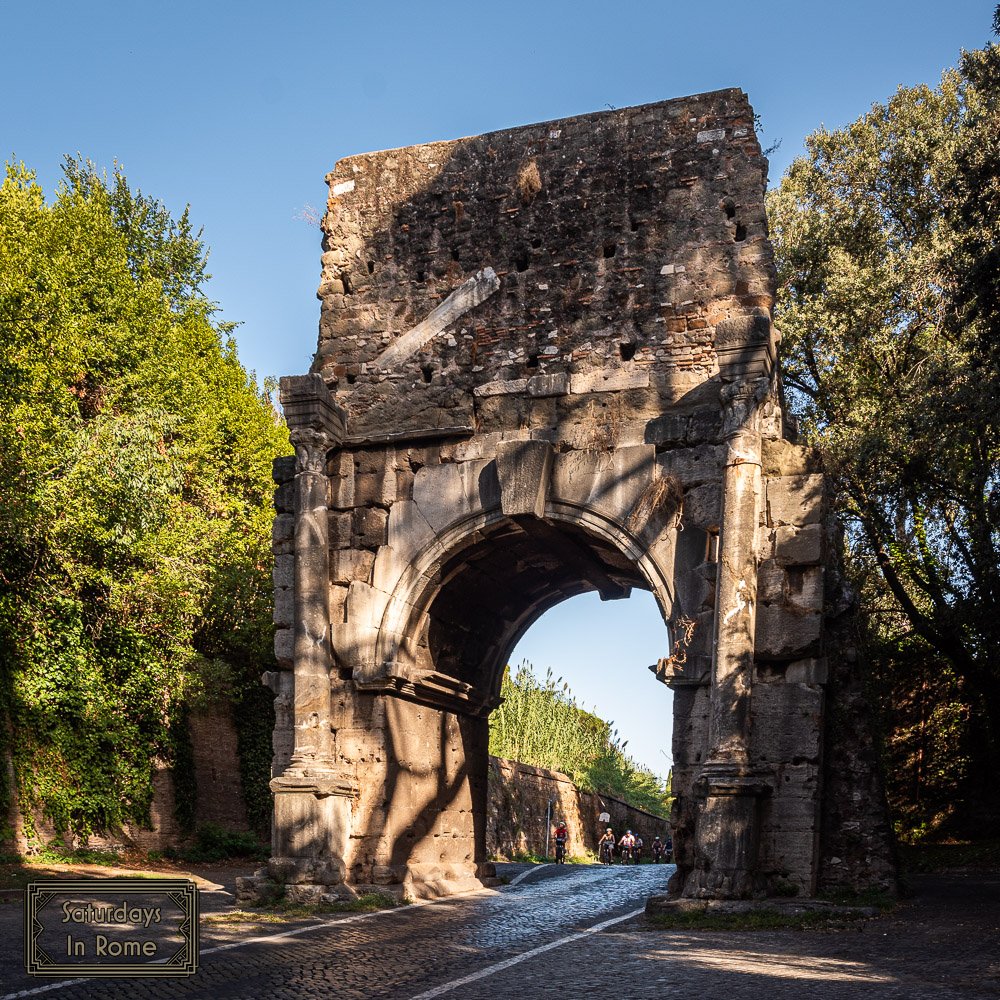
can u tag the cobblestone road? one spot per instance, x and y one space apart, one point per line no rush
398 953
944 944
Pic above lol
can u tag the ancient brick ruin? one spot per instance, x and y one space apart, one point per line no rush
546 365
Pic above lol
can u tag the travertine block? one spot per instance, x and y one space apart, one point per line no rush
284 607
604 380
284 646
283 469
339 529
342 481
783 458
348 565
805 587
283 572
523 469
703 507
770 582
798 546
408 529
450 492
284 498
787 723
282 533
783 634
692 466
796 500
811 671
370 526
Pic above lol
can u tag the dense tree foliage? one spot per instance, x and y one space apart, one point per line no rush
135 456
540 723
887 236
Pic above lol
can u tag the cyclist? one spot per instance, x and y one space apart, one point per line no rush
657 849
606 847
562 835
627 845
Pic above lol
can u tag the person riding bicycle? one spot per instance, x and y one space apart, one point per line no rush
627 845
606 847
562 835
657 849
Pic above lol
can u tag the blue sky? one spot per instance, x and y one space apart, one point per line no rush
240 110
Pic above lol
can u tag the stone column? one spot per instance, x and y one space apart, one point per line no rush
736 579
726 830
312 798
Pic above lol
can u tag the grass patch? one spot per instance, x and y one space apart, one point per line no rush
57 854
753 920
245 917
367 903
525 858
877 899
980 855
213 843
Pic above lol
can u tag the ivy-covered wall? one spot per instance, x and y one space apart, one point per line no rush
205 784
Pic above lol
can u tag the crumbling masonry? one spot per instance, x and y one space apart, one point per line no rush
546 365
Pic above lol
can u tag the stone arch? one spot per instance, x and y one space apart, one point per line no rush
589 381
407 611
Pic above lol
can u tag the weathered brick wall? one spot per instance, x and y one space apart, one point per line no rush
217 768
618 241
519 797
220 793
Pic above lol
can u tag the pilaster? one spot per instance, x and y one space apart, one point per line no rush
312 796
728 818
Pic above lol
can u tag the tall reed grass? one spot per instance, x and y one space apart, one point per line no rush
539 722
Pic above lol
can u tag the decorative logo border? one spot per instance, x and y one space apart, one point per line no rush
182 893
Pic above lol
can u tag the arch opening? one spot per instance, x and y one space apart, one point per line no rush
604 723
455 619
491 595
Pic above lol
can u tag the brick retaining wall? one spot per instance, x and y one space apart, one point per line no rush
519 795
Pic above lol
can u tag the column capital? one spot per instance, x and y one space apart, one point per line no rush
311 448
741 405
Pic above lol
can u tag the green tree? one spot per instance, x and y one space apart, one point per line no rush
135 456
885 235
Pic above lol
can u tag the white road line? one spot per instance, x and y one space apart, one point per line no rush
353 918
517 959
45 989
530 871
